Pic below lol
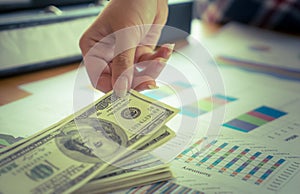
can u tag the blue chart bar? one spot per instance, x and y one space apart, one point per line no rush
245 164
254 119
256 168
234 160
270 112
212 153
269 171
195 155
220 159
190 148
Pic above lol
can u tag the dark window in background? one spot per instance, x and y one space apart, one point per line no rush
15 5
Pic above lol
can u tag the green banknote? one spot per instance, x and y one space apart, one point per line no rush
128 179
65 156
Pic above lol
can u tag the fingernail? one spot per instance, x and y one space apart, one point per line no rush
121 86
153 87
169 46
168 52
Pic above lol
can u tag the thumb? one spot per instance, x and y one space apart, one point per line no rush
122 72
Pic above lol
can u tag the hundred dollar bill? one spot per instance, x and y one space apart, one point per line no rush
143 170
63 157
141 157
127 123
56 162
127 179
155 141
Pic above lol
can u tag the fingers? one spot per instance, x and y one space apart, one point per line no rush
129 24
159 21
96 61
104 84
156 61
122 72
150 66
164 53
146 79
94 34
142 83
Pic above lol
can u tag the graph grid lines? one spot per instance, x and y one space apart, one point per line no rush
245 164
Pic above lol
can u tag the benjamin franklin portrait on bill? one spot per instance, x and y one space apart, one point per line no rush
91 139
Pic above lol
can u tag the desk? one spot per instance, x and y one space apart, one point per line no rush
9 86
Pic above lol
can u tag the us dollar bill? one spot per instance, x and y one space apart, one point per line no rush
64 157
143 170
124 124
139 115
140 158
127 179
56 162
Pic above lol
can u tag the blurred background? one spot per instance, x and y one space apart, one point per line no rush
38 34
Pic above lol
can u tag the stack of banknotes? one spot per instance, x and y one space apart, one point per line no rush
101 148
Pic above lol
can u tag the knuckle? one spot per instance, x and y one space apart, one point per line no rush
83 42
123 61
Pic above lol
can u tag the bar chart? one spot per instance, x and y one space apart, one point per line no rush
167 90
255 118
163 187
205 105
246 164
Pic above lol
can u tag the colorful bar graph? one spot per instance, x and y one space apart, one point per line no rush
155 187
255 118
245 164
212 153
220 159
230 160
276 71
197 143
234 160
163 187
170 188
165 91
269 171
199 152
256 168
205 105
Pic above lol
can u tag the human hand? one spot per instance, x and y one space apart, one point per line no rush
118 48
